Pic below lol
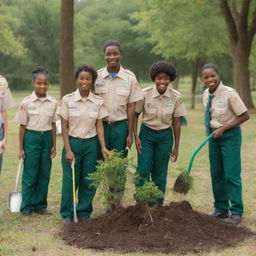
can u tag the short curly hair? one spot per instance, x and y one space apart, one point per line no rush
163 67
89 69
39 71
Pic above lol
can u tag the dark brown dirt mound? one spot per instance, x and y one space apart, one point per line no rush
176 229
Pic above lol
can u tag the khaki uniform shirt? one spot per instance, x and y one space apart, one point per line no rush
226 105
117 92
158 110
6 100
37 114
82 113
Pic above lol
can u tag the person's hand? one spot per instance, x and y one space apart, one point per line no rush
218 132
174 155
70 156
106 154
129 141
138 144
3 145
53 152
22 154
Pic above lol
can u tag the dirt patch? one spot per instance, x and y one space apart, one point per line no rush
177 228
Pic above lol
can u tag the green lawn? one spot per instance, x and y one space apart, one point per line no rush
37 235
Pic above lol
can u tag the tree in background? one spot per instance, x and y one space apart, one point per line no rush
188 30
240 17
67 83
98 21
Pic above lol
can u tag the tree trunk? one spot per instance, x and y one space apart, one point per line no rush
194 76
67 83
241 74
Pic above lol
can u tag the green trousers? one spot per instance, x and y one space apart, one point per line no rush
154 158
115 136
85 152
37 170
225 165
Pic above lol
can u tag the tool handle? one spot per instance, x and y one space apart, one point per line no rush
74 190
196 151
18 176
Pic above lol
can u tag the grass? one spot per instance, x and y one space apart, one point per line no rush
38 235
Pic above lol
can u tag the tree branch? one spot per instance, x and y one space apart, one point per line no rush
235 12
244 16
252 28
232 30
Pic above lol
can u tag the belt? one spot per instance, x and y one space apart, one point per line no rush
39 132
115 122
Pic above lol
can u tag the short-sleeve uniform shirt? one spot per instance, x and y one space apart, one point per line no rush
82 113
226 105
117 92
6 100
37 114
159 109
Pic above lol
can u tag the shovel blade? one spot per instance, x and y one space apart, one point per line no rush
15 199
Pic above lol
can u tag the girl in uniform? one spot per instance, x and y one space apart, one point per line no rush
37 143
160 130
81 117
6 102
224 112
120 90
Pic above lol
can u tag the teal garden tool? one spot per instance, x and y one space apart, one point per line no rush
184 181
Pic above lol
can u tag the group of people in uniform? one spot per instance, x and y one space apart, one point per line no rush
102 115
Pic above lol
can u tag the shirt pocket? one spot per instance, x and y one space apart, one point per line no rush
220 113
167 114
122 96
33 115
93 115
100 87
50 111
150 110
74 113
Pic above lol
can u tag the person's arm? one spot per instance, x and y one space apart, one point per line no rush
236 122
53 149
100 132
21 139
64 128
176 132
130 115
135 128
5 126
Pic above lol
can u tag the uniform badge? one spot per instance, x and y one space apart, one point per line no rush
169 103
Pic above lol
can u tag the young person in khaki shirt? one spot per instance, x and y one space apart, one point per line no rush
6 102
120 90
81 120
36 116
224 112
161 108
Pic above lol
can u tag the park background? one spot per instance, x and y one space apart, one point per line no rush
188 33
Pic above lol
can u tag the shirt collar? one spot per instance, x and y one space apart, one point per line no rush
217 93
35 98
77 96
157 94
120 73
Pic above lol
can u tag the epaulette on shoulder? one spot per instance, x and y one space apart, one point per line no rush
129 72
148 88
67 96
100 70
175 91
98 99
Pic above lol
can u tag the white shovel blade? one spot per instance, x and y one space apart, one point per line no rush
15 199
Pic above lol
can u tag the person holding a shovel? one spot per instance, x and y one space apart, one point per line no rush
224 112
37 143
6 102
160 130
81 121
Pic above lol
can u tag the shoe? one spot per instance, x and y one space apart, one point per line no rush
234 219
221 215
43 212
83 219
67 220
26 213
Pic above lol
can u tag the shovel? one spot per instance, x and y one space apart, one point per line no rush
15 197
184 182
74 190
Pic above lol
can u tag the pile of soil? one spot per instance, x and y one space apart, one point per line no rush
176 228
